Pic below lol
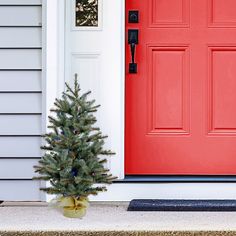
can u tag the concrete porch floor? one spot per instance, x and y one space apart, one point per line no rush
104 219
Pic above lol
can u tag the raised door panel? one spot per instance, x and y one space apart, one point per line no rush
168 90
222 13
169 13
222 87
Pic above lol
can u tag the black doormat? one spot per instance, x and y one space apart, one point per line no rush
181 205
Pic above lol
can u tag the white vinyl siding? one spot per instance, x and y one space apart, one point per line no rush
20 59
21 2
26 37
21 98
20 169
20 81
20 125
20 103
20 147
20 16
20 190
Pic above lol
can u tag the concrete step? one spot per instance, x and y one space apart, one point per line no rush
118 233
112 218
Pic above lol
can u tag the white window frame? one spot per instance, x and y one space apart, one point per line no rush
87 28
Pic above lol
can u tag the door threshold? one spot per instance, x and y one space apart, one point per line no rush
178 179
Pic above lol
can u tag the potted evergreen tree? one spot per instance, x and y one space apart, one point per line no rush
72 160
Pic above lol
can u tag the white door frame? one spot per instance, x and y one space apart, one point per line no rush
55 77
52 55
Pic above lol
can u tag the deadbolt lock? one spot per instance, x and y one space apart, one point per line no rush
133 17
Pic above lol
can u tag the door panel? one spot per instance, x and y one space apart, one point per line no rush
169 13
222 87
180 106
221 13
166 115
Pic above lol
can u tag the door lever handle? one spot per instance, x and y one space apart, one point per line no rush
132 48
133 41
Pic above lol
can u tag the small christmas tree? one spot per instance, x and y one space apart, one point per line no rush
72 161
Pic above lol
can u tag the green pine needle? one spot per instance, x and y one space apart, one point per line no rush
72 153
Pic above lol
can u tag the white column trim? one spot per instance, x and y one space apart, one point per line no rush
53 57
117 164
44 79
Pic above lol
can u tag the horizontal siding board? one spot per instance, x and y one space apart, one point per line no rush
20 98
20 16
20 190
20 147
20 59
20 37
20 2
20 125
20 81
20 103
17 169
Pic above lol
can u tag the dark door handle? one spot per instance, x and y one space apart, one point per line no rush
132 48
133 41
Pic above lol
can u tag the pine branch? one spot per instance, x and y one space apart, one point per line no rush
68 89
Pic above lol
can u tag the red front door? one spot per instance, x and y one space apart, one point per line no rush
181 104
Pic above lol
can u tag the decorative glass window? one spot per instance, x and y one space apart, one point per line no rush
86 14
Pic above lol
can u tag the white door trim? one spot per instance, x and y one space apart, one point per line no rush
117 164
55 71
55 78
54 57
